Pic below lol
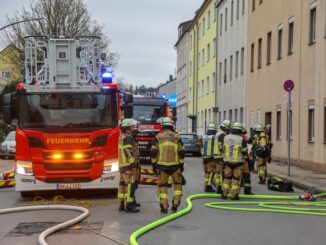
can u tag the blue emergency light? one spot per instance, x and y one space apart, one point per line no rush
107 77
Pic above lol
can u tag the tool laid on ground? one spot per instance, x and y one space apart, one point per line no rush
281 206
308 196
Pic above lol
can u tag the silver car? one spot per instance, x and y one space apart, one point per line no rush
8 146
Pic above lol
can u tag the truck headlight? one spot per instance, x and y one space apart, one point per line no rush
24 169
110 166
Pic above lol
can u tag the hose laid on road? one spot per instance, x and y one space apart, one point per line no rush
51 230
265 207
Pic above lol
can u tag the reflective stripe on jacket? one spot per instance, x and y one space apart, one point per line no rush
126 151
208 146
219 142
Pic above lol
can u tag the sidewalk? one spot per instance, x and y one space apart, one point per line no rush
300 177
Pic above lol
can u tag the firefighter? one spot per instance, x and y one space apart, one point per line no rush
268 131
218 154
127 167
246 168
167 155
261 147
136 125
208 156
235 152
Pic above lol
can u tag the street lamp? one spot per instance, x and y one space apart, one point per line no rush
15 23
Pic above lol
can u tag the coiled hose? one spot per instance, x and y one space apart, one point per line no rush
265 206
51 230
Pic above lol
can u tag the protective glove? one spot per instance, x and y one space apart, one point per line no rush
181 168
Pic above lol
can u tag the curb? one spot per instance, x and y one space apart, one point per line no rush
302 184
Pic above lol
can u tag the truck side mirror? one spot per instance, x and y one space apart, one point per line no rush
6 108
128 98
128 111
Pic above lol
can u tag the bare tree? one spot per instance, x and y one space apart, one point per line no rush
57 17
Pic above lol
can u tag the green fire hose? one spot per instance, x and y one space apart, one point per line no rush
281 206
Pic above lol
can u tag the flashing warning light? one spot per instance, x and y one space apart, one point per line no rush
107 77
57 156
78 156
107 74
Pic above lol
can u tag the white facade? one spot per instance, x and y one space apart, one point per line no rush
182 48
232 59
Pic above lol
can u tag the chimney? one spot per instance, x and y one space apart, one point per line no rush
171 78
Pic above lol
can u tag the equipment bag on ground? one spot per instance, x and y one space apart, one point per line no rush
279 184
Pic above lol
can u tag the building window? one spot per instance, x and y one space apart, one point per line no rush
204 24
311 124
219 118
208 52
241 115
220 74
260 2
225 69
230 115
207 85
203 57
312 32
231 67
232 6
242 60
214 47
278 124
253 5
235 115
238 9
269 48
190 69
251 119
258 116
214 81
236 64
291 33
260 41
279 47
252 57
208 19
226 19
224 115
221 25
190 93
243 7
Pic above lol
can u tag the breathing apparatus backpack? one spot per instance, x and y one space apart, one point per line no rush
263 149
279 184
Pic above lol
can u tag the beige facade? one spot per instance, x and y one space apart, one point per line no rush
286 40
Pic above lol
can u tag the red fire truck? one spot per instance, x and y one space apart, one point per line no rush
148 111
68 114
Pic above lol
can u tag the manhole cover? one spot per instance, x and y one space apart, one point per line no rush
33 228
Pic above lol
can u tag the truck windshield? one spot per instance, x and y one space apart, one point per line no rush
147 113
77 110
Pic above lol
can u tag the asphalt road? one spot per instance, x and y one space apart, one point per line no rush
201 226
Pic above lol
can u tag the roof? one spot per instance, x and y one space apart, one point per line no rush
185 27
199 11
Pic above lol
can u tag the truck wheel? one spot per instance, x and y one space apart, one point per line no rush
27 194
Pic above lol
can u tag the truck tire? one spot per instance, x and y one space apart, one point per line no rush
27 194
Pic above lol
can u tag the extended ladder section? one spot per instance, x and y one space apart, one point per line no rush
63 62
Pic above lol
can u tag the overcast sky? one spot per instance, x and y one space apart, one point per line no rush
142 31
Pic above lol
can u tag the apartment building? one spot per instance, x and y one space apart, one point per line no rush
287 40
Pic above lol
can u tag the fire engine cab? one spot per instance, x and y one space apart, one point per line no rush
68 114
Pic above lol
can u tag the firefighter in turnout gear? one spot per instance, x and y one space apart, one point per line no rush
246 168
127 154
208 156
167 155
136 125
262 148
235 153
218 154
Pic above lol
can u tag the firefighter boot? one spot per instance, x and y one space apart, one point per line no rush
174 207
247 191
163 210
235 198
131 208
209 188
137 204
122 207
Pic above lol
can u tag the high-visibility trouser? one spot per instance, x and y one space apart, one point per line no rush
163 178
246 174
261 164
209 169
232 177
138 174
127 186
219 165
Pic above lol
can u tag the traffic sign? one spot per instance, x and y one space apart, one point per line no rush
288 85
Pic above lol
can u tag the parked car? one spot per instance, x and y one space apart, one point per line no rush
192 144
8 146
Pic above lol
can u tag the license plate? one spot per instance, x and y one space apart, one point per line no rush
142 142
70 186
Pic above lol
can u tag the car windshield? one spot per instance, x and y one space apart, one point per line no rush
68 110
187 137
10 136
146 113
